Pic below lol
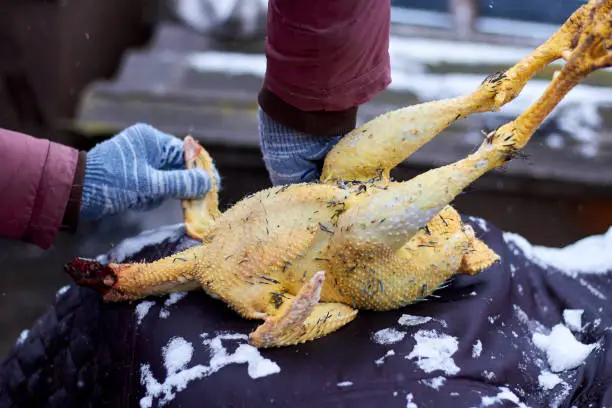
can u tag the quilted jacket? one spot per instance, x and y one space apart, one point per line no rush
475 343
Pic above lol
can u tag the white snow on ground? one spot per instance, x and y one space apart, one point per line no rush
433 351
590 255
583 124
577 113
432 51
172 299
562 349
555 141
408 54
177 355
142 309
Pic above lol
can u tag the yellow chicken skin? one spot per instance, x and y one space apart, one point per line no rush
305 258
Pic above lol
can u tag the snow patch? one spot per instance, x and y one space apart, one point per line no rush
177 355
548 380
489 375
433 351
23 336
590 255
505 394
412 320
592 289
405 54
142 309
435 382
172 299
344 384
555 141
388 336
583 123
562 350
381 360
130 246
482 224
573 319
62 291
477 349
409 403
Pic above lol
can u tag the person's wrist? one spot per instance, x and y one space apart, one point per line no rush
95 175
70 220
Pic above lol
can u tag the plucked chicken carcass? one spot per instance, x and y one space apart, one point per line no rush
304 258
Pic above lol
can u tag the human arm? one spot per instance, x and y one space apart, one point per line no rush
323 61
49 187
36 179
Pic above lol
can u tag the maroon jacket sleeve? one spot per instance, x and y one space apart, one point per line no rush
327 55
324 56
37 181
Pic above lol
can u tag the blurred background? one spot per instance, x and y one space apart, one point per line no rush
77 72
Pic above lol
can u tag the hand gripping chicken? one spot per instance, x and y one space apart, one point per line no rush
304 258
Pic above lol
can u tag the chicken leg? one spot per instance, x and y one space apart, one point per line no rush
408 206
378 146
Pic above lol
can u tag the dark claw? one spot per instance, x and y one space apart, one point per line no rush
91 273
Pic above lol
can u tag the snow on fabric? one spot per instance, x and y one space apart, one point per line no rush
411 320
172 299
562 349
505 394
381 360
408 77
177 355
344 384
489 375
482 224
409 402
477 349
435 382
573 319
548 380
142 309
388 336
590 255
23 336
62 291
133 245
433 352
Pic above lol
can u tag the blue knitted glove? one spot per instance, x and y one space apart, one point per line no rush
138 169
291 156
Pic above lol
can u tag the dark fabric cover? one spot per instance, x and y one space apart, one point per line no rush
85 354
